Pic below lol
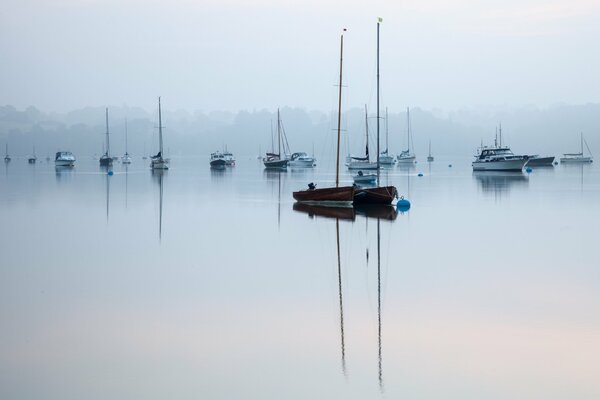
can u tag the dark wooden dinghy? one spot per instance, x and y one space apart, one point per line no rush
332 195
376 195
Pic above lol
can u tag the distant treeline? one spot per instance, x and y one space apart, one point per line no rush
528 130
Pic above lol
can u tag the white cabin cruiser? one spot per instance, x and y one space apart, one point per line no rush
64 159
498 159
302 159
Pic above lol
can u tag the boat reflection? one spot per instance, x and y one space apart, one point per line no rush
374 211
63 173
157 176
499 182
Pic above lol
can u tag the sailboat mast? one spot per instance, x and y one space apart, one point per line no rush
387 132
278 135
408 129
160 140
125 135
581 136
107 139
367 134
337 163
378 23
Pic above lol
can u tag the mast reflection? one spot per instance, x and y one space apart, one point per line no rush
158 174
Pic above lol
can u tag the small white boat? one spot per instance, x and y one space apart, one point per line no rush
362 178
407 156
302 160
579 158
64 159
157 161
229 158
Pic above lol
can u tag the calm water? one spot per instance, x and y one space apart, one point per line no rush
208 284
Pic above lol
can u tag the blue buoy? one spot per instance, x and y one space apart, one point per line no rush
528 170
403 205
449 165
420 174
110 173
555 162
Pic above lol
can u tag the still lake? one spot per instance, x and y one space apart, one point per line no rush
197 283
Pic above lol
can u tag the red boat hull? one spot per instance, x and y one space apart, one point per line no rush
377 195
339 195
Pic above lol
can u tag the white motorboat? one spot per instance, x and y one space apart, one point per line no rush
217 160
157 161
229 158
579 158
302 160
362 178
64 159
498 158
407 156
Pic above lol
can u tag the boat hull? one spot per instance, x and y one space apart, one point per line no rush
218 163
362 165
387 160
326 196
301 163
407 160
579 160
504 165
377 195
275 163
64 163
368 178
105 161
159 164
541 162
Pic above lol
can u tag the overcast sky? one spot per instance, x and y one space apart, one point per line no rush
232 54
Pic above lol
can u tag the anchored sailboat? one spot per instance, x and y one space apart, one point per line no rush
6 157
385 158
274 160
578 157
338 195
106 160
407 156
157 161
126 158
380 194
363 162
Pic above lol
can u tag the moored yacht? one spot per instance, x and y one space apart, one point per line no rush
157 161
217 160
106 160
64 159
229 158
407 156
302 159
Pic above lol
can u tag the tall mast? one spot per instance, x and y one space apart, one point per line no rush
125 135
500 131
367 134
408 129
160 140
278 135
337 163
387 132
107 139
581 135
378 23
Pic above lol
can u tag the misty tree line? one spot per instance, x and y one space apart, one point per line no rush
528 130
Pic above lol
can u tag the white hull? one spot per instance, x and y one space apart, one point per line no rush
407 160
302 163
503 165
369 178
362 165
387 160
578 160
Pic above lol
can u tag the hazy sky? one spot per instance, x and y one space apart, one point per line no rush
233 54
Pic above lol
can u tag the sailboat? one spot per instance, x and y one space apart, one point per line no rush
272 159
578 157
429 157
7 157
126 159
363 162
106 160
380 194
157 161
385 158
406 156
338 195
33 158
